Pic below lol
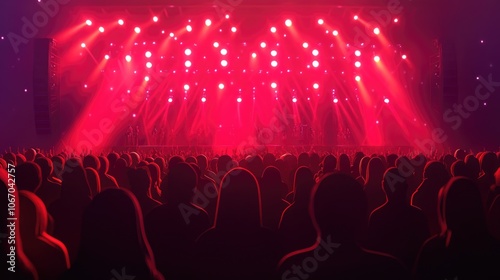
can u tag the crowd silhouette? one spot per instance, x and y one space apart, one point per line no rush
314 215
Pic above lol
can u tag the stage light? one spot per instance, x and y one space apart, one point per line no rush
187 52
288 22
208 22
101 29
335 100
88 22
134 115
273 29
377 122
254 55
149 64
356 17
386 100
223 51
396 20
186 87
274 63
233 29
221 86
106 57
121 22
203 99
170 100
357 53
376 30
187 63
171 34
83 45
357 78
357 64
223 63
315 86
155 19
146 79
377 58
137 30
315 64
274 53
216 44
305 45
148 54
189 28
321 21
315 52
294 100
335 33
263 45
274 85
404 56
239 99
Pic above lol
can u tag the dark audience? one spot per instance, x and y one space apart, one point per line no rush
184 215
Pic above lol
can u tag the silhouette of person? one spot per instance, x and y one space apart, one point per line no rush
113 242
426 195
338 211
396 227
173 227
296 230
48 254
272 191
15 263
463 249
237 246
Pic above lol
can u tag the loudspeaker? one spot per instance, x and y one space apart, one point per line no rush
46 87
